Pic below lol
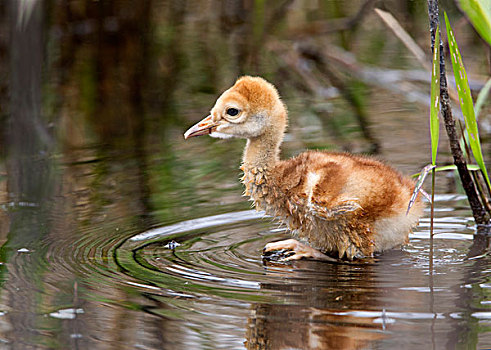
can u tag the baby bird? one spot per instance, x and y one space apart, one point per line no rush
334 203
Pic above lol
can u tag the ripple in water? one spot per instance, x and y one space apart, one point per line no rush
216 284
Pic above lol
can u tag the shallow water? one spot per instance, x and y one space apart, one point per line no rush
117 234
216 286
202 283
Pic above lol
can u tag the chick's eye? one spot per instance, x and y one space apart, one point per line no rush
232 112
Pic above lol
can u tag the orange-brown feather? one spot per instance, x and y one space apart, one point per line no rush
337 202
373 191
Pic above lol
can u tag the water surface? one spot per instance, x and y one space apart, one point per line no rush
117 234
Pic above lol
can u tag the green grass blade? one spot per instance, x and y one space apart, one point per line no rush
435 98
465 99
479 13
482 98
470 167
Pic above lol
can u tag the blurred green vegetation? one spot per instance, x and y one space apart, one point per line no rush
125 79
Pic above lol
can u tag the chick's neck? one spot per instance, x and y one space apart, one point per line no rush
263 152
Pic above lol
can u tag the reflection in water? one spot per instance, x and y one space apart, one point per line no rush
322 319
215 278
95 180
287 327
30 179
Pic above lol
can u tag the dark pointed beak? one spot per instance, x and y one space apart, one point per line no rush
204 127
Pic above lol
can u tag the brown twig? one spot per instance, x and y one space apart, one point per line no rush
478 211
405 38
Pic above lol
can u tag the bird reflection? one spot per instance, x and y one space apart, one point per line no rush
322 312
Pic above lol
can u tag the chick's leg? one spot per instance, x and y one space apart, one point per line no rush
294 250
